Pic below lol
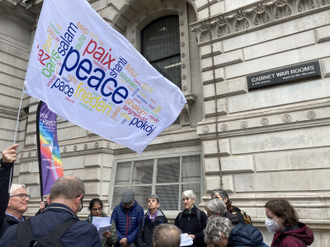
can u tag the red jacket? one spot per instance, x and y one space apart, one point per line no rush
295 238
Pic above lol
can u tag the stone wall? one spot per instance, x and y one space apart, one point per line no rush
274 142
15 41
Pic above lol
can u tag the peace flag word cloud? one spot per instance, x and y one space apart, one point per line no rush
91 75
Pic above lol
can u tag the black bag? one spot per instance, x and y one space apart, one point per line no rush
25 238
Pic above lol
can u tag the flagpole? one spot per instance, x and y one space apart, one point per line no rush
39 150
17 120
19 110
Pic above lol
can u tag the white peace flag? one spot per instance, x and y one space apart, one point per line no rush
92 76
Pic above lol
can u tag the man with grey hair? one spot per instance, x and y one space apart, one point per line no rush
152 218
217 208
192 220
13 202
166 235
64 202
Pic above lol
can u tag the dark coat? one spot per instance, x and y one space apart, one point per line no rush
245 235
144 238
79 234
294 237
189 224
127 222
234 218
5 182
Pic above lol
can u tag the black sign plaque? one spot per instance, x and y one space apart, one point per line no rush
289 74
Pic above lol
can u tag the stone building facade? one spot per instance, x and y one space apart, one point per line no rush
272 142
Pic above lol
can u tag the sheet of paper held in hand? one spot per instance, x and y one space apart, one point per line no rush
102 224
185 240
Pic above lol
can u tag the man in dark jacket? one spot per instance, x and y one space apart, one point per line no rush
191 220
6 174
153 217
127 216
65 201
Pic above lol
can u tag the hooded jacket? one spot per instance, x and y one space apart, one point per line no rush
246 235
146 229
292 237
127 221
114 237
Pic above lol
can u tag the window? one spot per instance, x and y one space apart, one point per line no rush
160 42
166 177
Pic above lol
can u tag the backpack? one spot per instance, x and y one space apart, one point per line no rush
25 238
246 217
198 217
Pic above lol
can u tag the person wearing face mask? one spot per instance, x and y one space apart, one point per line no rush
192 220
127 216
96 208
283 220
64 202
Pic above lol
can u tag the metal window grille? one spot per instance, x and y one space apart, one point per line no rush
161 47
165 177
160 42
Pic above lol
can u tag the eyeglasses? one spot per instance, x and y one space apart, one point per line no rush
23 196
81 205
96 209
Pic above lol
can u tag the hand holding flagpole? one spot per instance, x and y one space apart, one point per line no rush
9 155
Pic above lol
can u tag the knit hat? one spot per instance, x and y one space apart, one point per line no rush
127 196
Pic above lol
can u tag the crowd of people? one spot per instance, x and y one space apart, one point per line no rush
57 223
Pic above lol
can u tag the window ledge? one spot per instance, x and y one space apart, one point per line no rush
191 98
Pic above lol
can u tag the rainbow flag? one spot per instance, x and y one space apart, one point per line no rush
50 163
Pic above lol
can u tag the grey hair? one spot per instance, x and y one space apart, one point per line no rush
15 187
214 228
67 187
216 206
189 193
221 193
166 235
153 197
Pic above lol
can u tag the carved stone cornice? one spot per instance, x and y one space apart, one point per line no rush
253 17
